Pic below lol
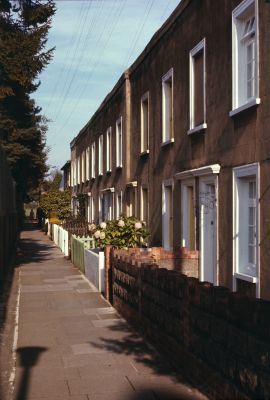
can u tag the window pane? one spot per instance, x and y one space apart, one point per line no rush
198 89
251 216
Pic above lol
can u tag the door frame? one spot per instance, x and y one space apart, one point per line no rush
165 220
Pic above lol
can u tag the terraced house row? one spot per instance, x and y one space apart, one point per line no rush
183 142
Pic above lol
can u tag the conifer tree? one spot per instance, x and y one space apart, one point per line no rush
24 26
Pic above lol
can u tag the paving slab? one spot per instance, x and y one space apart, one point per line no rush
73 345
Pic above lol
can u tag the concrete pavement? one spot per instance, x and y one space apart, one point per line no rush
72 345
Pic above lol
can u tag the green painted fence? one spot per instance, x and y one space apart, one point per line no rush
78 245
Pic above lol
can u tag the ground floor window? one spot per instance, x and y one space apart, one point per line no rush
107 206
245 225
131 201
144 205
118 205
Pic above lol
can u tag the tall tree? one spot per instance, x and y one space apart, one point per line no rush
24 26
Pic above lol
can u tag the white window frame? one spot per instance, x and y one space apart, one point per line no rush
100 200
92 209
100 155
83 165
119 142
165 216
93 160
73 173
87 163
78 170
201 46
109 149
167 136
243 173
108 204
144 149
143 206
118 207
185 228
240 14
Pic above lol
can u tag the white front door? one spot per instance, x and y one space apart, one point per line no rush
208 229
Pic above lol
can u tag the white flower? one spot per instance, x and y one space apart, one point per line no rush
92 227
102 235
103 225
121 223
138 225
97 234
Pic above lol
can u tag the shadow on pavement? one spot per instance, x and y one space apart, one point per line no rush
32 250
28 250
144 354
153 394
28 358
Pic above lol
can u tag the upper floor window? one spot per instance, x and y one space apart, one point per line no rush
145 123
100 155
83 166
87 163
119 139
167 106
93 160
245 56
197 88
78 170
109 149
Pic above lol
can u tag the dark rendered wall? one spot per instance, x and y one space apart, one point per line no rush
228 141
110 111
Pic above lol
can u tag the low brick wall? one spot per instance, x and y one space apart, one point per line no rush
180 259
218 339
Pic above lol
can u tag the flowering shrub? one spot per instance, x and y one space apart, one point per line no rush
122 233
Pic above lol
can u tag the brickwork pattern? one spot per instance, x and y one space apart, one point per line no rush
220 338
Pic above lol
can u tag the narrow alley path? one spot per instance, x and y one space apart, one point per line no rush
73 345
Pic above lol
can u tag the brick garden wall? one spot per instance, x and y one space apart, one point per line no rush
217 338
8 217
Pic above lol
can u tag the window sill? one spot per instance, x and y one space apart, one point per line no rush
197 128
251 103
169 141
144 153
244 277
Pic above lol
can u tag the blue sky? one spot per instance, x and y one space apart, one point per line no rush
95 40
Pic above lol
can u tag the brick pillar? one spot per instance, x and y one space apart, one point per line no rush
108 273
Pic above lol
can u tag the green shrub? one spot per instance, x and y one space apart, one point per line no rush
121 233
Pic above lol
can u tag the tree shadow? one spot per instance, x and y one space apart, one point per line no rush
32 250
161 394
145 356
28 250
28 358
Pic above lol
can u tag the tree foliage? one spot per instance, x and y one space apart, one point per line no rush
53 183
58 201
24 28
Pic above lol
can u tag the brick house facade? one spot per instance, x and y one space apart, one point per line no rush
189 118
